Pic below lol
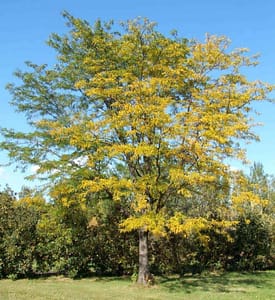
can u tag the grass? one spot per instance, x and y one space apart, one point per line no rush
241 286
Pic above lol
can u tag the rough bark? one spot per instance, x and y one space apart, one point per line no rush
144 275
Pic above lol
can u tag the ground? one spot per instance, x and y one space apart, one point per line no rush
233 286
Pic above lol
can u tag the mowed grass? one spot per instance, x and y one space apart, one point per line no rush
241 286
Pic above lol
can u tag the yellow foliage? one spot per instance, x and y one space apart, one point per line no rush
93 222
32 200
154 127
140 203
181 224
153 222
119 187
248 200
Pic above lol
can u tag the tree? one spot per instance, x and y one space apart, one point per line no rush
137 116
18 236
259 180
262 184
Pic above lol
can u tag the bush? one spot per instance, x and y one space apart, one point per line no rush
17 236
252 244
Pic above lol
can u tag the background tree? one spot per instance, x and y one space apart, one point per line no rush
253 201
136 115
18 236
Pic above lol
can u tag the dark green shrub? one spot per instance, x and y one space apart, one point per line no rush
252 243
17 236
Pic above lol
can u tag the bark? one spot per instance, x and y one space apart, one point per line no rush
144 275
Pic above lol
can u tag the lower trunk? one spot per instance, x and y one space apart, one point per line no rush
144 276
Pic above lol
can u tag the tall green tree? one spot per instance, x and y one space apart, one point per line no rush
259 180
135 115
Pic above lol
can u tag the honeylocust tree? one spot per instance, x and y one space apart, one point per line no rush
136 116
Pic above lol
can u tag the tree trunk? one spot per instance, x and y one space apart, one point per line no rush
143 271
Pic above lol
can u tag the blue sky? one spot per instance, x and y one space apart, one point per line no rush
25 25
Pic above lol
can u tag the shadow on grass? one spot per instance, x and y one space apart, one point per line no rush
225 283
111 278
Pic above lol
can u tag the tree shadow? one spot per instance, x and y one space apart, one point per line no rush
225 282
110 278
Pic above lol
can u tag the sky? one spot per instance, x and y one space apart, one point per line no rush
25 26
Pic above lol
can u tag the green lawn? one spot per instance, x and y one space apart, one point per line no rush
259 285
